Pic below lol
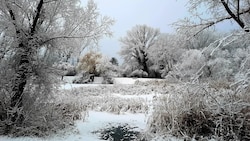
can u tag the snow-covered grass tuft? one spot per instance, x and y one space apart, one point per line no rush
104 99
198 111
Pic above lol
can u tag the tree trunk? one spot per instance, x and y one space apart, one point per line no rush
20 81
144 62
145 67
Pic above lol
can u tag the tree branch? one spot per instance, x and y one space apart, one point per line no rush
38 11
229 11
13 18
65 37
209 24
238 9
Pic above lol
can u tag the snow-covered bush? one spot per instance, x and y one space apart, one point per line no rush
201 112
138 73
104 67
191 63
89 62
165 53
40 114
220 68
66 68
107 80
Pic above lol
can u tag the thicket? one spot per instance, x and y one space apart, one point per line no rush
41 115
203 111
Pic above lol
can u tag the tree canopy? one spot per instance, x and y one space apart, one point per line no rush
35 26
136 44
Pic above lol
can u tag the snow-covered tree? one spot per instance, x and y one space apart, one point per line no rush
165 52
89 62
54 25
223 47
135 46
105 67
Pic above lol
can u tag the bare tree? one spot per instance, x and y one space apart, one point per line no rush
32 25
136 44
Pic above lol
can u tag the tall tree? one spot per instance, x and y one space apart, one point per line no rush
166 51
136 44
33 25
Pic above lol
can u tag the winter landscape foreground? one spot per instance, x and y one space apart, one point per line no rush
201 89
153 108
123 103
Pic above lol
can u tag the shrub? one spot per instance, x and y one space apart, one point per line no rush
66 68
40 115
107 80
71 72
199 111
40 118
139 74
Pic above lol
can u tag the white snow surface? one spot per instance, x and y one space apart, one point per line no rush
95 121
98 80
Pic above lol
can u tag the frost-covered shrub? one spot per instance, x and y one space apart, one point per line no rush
106 68
40 117
40 114
198 111
66 68
154 72
139 74
190 64
71 72
89 61
220 68
107 80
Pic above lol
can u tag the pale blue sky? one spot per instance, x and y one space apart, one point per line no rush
128 13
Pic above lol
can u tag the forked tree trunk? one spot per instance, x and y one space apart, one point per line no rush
23 70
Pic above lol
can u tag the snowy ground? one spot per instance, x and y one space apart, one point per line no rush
95 121
98 120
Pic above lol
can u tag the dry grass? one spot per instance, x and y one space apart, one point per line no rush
48 112
104 99
199 111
